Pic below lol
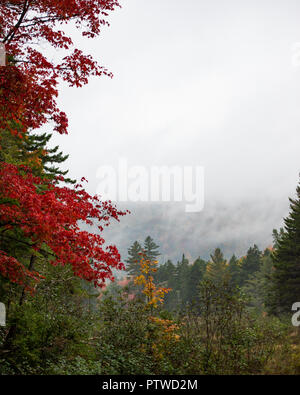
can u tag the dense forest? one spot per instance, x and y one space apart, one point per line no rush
204 317
72 306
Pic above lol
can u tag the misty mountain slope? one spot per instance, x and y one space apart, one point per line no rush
233 227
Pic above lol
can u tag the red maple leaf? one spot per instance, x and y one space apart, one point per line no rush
28 84
49 219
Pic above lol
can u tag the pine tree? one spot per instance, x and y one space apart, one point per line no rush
196 274
234 271
258 285
36 144
10 148
251 263
166 276
133 260
217 268
171 271
32 151
151 249
165 272
182 279
286 258
276 236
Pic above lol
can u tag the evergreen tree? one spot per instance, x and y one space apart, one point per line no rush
133 260
258 285
234 271
182 277
286 258
151 249
196 273
170 275
166 276
217 269
37 144
276 236
11 148
251 263
165 272
32 151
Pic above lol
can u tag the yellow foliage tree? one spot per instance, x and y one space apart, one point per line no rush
161 332
154 294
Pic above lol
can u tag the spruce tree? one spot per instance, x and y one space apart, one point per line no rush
258 285
133 260
234 271
151 249
171 274
196 274
217 268
251 263
286 259
166 277
165 272
182 279
276 236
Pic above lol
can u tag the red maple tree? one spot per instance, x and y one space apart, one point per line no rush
28 85
48 219
43 216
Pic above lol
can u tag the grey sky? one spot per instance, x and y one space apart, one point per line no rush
208 83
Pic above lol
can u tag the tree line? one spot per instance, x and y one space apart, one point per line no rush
211 316
269 281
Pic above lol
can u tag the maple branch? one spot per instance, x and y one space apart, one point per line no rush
46 19
13 31
24 61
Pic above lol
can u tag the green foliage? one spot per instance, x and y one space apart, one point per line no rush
36 144
11 148
151 249
182 278
234 270
258 286
286 257
251 263
59 331
196 274
123 337
133 259
32 150
217 268
47 327
222 337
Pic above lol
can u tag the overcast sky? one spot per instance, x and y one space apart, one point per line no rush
202 83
